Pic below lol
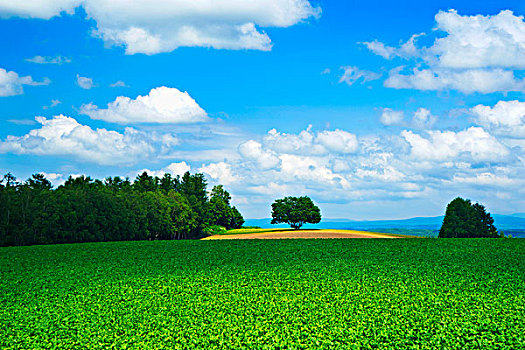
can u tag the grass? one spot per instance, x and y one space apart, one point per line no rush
273 294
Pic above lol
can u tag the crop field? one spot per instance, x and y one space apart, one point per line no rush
304 233
265 294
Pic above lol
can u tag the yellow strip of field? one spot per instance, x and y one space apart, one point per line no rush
293 234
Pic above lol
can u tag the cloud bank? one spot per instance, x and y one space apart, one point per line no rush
155 26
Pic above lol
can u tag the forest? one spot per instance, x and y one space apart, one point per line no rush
115 209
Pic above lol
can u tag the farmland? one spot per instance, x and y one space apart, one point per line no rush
337 294
294 234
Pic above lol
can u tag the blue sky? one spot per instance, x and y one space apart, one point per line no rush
375 109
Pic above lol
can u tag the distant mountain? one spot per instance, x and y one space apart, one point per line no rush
502 222
520 215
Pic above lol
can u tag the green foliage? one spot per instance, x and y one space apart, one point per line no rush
215 230
295 211
221 213
466 220
87 210
266 294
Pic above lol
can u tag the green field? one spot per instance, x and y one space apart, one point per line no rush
334 294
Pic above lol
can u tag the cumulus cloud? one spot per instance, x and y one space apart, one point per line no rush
12 84
391 117
59 60
220 172
479 41
475 54
474 143
64 136
335 166
161 26
306 142
253 150
337 141
353 74
175 169
506 118
161 105
423 119
313 169
84 82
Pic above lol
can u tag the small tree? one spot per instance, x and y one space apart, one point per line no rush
466 220
295 211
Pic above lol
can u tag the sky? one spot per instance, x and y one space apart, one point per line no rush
374 109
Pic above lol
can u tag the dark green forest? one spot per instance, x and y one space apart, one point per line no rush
115 209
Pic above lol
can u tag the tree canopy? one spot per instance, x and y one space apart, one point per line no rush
89 210
295 211
466 220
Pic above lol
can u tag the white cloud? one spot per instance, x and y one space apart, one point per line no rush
412 165
175 169
391 117
292 143
506 118
306 142
423 119
405 50
178 168
37 9
486 178
474 143
480 41
387 174
12 84
161 26
161 105
84 82
119 83
311 169
337 141
64 136
381 49
49 60
466 81
354 74
476 54
253 150
54 103
220 172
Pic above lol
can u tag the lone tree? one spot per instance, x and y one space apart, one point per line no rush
466 220
295 211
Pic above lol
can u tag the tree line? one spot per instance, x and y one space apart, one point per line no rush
115 209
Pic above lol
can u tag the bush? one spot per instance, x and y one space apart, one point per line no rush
214 230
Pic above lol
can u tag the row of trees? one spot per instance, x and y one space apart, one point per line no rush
87 210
